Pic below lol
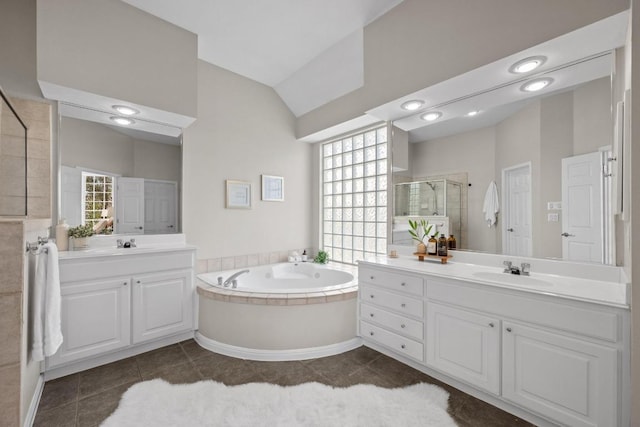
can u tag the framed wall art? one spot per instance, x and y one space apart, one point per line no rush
272 188
238 194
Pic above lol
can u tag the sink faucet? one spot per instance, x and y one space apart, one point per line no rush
510 268
233 277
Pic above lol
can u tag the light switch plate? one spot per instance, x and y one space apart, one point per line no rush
553 217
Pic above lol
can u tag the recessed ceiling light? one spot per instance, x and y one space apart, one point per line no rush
431 116
412 105
473 113
125 111
124 121
528 64
536 85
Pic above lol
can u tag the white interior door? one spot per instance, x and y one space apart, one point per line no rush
161 207
582 218
516 207
71 200
130 206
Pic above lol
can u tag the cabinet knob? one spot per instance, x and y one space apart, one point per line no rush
125 283
403 326
491 324
402 346
371 295
137 281
372 277
403 305
371 333
403 284
371 314
508 329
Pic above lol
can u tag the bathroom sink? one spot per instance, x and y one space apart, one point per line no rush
511 279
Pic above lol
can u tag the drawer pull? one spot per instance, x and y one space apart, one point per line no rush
372 277
371 295
491 324
125 283
137 281
402 346
371 314
403 305
508 329
371 333
403 284
403 326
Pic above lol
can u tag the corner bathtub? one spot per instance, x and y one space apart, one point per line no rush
288 311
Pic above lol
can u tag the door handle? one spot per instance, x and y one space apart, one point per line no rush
565 234
510 230
139 228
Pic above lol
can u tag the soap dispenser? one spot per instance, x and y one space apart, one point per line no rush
432 245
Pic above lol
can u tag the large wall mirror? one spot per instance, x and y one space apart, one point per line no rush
551 155
119 179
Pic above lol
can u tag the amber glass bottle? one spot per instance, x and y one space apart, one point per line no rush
442 245
451 242
432 245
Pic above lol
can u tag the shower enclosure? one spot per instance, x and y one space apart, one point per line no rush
435 200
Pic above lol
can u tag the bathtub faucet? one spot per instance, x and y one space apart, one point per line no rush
233 277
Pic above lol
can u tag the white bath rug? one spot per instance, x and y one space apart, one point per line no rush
208 403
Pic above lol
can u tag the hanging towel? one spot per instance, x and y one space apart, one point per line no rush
47 332
491 205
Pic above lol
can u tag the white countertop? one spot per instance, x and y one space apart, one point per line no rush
116 252
576 288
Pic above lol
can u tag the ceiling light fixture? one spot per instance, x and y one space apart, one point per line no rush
528 64
431 116
536 85
473 113
125 111
412 105
123 121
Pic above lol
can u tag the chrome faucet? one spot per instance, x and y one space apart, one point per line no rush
233 277
525 268
510 268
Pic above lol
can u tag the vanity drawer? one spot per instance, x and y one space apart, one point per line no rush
397 343
391 280
403 325
397 302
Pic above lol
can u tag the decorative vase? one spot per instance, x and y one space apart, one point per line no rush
80 243
422 248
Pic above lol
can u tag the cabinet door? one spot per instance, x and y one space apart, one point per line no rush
95 319
571 381
162 304
465 345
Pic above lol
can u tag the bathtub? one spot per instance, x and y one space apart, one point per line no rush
277 312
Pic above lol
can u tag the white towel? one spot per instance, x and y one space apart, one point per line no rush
47 332
491 205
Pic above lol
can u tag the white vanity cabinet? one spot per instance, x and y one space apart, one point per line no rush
560 360
114 306
392 311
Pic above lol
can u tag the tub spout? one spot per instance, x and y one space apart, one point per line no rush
233 277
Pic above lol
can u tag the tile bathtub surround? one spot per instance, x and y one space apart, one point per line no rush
244 261
87 398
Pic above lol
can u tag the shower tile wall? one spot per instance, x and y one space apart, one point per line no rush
245 261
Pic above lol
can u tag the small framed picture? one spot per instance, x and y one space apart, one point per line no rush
272 188
238 194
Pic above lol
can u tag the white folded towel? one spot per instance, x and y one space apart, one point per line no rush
491 205
47 331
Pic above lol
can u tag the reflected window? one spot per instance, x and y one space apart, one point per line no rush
354 199
98 202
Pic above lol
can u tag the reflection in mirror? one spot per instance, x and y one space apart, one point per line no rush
13 161
119 180
548 152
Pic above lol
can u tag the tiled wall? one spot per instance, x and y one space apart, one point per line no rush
244 261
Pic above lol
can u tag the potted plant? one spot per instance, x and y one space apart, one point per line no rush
80 235
322 257
419 230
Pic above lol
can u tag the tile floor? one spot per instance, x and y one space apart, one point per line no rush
87 398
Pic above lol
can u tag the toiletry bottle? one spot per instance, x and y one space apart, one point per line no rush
451 242
304 255
442 246
432 245
62 235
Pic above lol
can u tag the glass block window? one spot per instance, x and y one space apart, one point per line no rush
98 198
354 196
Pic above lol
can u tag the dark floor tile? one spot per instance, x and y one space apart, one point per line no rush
286 373
95 409
226 370
156 360
193 349
62 416
335 367
362 354
399 373
104 377
477 413
363 375
59 392
184 373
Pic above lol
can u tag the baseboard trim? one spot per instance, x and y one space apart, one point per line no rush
30 416
277 355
